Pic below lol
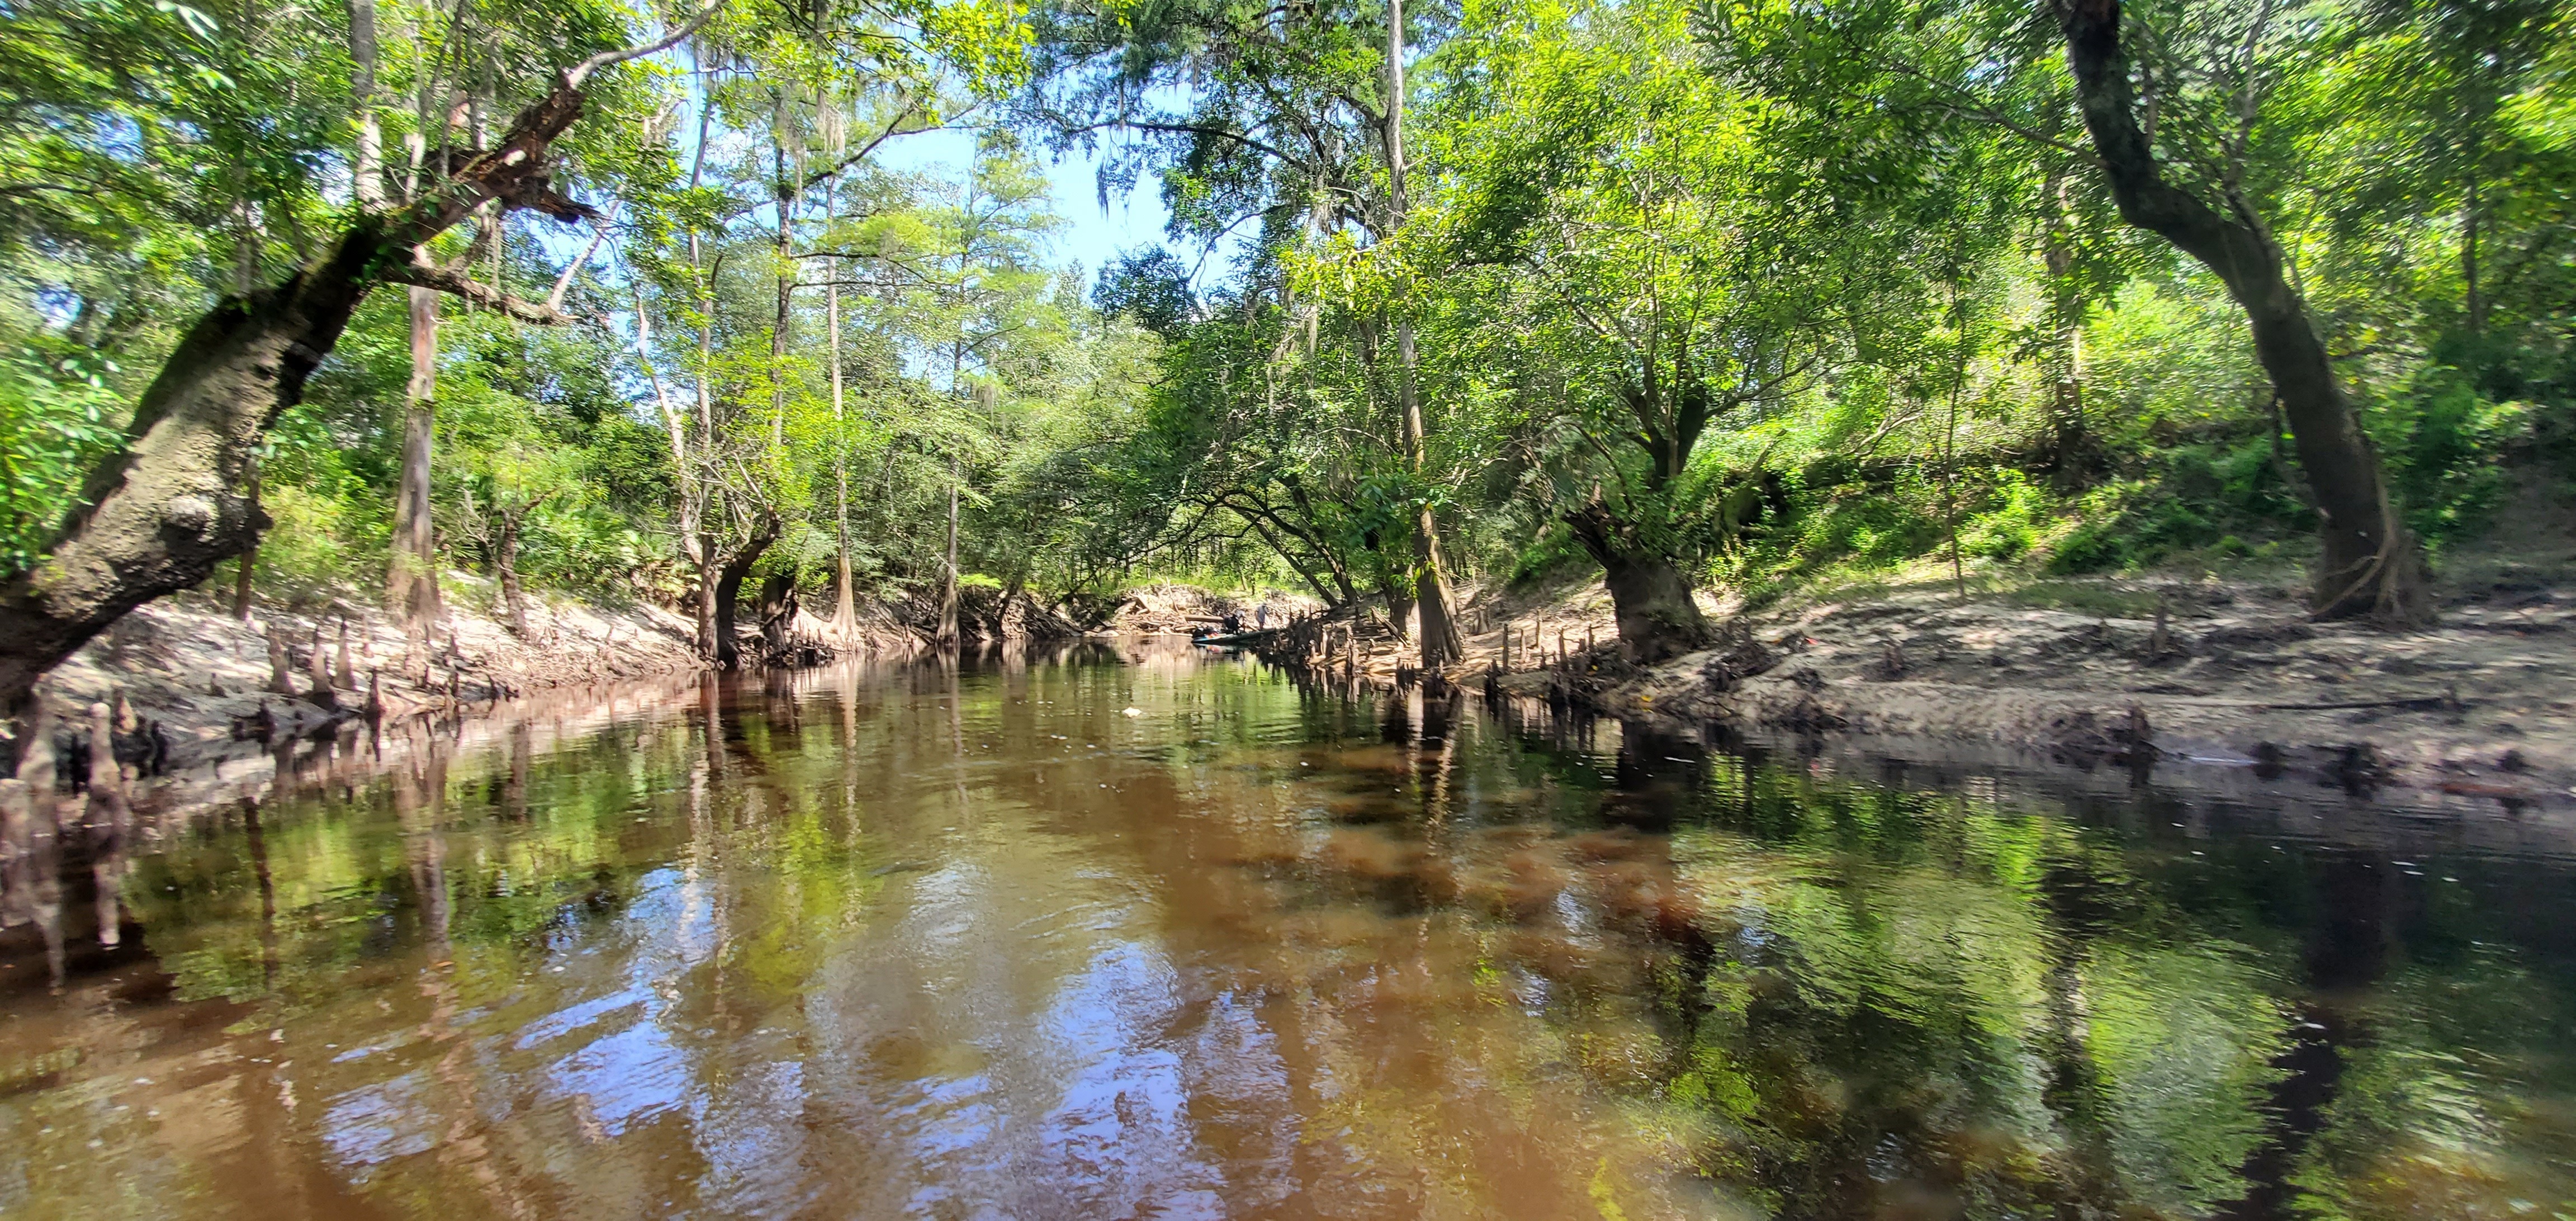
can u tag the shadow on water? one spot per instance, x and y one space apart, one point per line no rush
1127 928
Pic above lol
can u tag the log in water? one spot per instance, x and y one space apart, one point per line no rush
932 941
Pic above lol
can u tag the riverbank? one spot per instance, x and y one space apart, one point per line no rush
207 680
2222 677
2144 672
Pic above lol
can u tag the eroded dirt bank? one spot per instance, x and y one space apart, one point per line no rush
2481 709
207 681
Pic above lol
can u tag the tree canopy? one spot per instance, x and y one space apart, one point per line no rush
1715 299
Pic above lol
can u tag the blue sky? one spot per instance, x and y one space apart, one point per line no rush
1092 235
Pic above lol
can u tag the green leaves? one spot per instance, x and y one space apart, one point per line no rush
196 19
57 418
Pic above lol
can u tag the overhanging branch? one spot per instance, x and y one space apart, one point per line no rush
420 273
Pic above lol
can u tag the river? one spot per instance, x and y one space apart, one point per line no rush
1162 933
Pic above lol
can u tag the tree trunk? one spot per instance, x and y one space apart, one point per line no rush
243 571
367 169
1439 638
1399 607
2372 564
505 556
845 608
728 592
158 516
1950 444
710 645
2473 303
1649 597
2071 450
948 633
697 497
787 197
248 567
178 500
683 482
777 611
411 576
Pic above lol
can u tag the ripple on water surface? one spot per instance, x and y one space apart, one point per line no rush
956 942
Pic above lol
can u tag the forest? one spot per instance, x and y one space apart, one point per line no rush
342 301
2234 882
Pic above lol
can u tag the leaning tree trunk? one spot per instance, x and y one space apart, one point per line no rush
1649 597
2372 563
728 593
158 516
163 513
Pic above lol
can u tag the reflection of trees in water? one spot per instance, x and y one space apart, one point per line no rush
1444 964
1925 1002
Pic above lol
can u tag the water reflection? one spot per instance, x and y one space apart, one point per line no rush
968 941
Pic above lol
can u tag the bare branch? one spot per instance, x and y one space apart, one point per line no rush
598 234
575 75
422 273
1192 129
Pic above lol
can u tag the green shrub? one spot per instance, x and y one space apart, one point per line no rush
306 554
2126 526
1552 554
2022 512
2446 445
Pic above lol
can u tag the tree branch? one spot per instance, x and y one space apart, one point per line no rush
575 75
421 273
1193 129
893 129
563 283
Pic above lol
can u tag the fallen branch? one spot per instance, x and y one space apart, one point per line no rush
2448 701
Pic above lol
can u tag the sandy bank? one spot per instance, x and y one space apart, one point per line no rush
2481 709
205 677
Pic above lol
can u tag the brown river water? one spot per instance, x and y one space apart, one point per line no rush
980 942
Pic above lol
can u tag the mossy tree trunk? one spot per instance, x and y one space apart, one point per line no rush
158 516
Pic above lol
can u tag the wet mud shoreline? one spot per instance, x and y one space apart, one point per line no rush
2224 686
2231 683
200 673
